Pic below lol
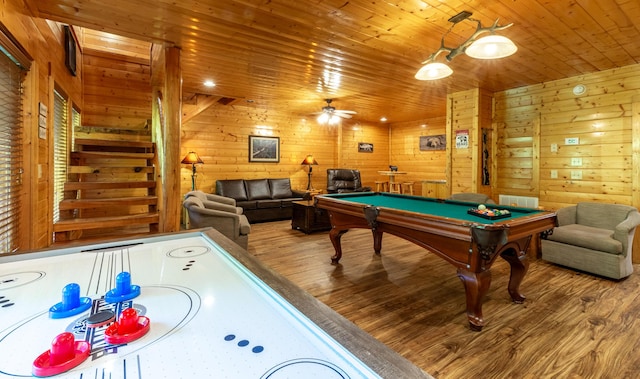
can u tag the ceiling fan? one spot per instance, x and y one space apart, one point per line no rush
330 115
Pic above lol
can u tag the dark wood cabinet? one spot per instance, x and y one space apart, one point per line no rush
308 218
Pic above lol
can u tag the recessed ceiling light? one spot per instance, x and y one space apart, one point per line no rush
383 119
580 89
209 83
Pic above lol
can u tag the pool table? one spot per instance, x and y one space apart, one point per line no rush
469 242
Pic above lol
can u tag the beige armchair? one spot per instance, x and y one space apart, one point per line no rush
217 202
479 198
594 237
207 214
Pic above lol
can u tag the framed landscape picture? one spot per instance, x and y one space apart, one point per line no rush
264 149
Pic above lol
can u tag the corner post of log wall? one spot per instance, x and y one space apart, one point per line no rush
166 79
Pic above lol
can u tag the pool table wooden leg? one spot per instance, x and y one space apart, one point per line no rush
476 286
377 241
335 235
519 266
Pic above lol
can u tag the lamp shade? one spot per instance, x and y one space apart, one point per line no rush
491 47
433 71
309 160
192 158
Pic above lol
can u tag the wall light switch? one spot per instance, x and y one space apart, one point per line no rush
576 175
576 161
554 174
554 147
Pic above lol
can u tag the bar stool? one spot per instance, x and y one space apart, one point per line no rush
382 186
407 188
395 187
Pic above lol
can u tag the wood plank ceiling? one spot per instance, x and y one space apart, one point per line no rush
363 53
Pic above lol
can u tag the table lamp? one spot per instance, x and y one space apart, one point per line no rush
192 158
309 161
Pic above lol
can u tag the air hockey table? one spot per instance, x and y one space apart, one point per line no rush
180 305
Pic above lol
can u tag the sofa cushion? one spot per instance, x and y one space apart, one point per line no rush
269 203
280 188
233 188
257 189
247 204
288 202
587 237
600 215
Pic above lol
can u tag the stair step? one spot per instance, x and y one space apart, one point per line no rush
74 186
109 155
113 143
109 202
110 169
105 222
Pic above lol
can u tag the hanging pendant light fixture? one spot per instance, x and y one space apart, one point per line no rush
488 47
491 47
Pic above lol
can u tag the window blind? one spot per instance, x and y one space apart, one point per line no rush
59 152
11 134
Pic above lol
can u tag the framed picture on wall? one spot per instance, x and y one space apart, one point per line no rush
70 50
428 143
264 149
365 147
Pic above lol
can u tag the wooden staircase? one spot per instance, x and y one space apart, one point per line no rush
111 190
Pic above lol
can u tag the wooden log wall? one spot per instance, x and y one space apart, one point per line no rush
566 148
421 165
116 83
369 163
220 136
44 42
468 113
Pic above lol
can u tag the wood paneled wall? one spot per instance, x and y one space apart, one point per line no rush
43 41
535 157
368 163
404 142
220 136
117 90
468 113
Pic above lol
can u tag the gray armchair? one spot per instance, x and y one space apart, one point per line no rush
340 180
594 237
479 198
234 226
217 202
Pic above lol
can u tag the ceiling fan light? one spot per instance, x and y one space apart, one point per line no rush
433 71
491 47
323 118
334 120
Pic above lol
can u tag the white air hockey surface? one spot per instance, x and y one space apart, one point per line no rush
210 317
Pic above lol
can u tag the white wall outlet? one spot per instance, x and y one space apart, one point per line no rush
576 161
554 174
576 174
572 141
554 147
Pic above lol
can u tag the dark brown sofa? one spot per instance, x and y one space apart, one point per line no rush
261 199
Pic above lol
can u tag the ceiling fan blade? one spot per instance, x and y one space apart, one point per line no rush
344 111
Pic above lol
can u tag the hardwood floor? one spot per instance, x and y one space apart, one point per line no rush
572 325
